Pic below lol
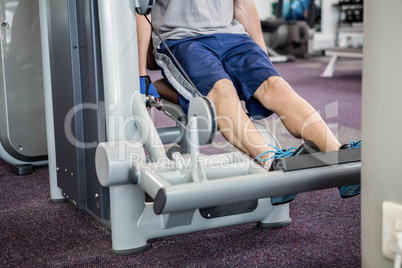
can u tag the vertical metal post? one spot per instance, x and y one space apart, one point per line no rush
197 171
55 191
121 80
120 63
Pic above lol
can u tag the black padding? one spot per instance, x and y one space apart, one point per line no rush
315 160
23 169
172 150
271 25
160 201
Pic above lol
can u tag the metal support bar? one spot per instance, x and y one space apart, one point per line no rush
55 191
152 182
118 34
329 70
336 53
169 134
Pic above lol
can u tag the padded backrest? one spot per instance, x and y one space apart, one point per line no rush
166 91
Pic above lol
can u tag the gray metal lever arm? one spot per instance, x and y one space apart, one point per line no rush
188 196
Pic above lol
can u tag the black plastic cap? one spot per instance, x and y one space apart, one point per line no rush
160 201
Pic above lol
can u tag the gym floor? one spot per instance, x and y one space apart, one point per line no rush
325 230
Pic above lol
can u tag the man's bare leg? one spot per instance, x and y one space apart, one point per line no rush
298 116
233 122
275 94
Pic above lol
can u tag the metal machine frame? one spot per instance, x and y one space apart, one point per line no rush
187 195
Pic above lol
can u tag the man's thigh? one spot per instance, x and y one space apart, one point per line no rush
198 59
208 59
248 67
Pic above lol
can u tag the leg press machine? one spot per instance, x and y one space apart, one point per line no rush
189 191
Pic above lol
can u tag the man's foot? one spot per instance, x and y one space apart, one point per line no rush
350 190
351 145
307 147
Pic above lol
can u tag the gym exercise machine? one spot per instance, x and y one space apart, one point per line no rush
22 113
352 11
110 154
293 37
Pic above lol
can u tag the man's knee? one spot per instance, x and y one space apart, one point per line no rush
275 85
273 89
223 90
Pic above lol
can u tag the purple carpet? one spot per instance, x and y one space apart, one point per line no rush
325 230
343 89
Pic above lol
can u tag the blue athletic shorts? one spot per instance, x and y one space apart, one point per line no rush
210 58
